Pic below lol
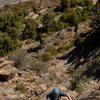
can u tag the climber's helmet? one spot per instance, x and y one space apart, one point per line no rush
56 92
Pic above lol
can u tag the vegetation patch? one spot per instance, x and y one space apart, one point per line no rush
64 48
20 87
53 51
46 57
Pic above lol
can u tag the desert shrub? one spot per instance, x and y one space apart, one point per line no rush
21 60
79 13
53 51
46 57
19 25
48 21
11 20
85 2
18 56
20 87
64 48
70 17
38 65
6 45
67 47
76 86
13 33
61 25
85 16
19 45
61 49
56 43
22 12
30 30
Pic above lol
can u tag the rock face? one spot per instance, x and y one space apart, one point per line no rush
7 71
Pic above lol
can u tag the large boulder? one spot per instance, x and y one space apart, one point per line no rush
7 70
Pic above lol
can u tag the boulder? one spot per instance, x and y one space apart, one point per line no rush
7 72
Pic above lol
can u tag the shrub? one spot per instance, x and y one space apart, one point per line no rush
85 16
30 30
6 45
46 57
61 25
64 48
22 12
39 66
13 33
53 51
85 2
18 56
18 44
57 42
61 49
48 21
20 87
77 86
70 17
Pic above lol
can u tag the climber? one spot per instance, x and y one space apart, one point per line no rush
56 94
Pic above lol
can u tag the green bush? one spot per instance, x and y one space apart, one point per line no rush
18 44
53 51
70 17
30 30
64 48
57 42
76 86
85 16
48 21
85 2
20 87
6 45
13 33
61 25
61 49
46 57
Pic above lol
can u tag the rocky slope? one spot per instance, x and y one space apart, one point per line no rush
23 76
29 83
